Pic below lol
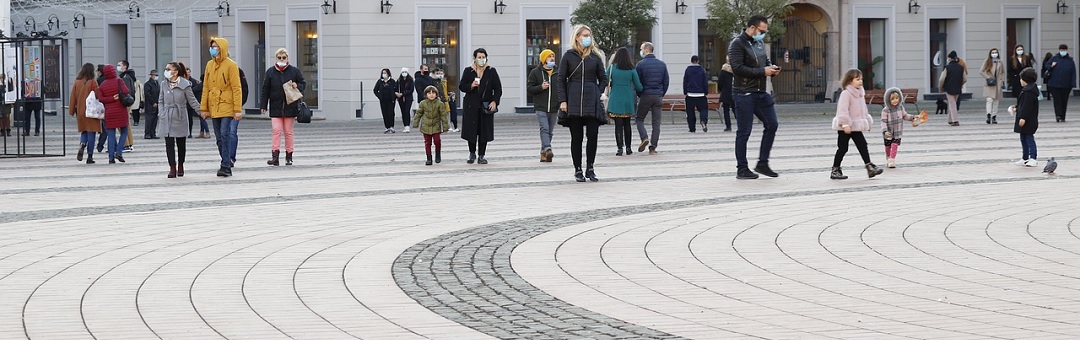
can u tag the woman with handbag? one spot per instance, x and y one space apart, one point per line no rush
483 92
623 87
281 95
993 70
88 127
176 96
116 97
580 80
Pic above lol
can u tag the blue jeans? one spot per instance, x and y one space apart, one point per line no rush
116 145
1027 142
747 106
225 132
547 122
86 139
699 104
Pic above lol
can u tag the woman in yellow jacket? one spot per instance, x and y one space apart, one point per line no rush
222 100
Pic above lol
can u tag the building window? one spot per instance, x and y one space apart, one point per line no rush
439 48
540 35
163 45
871 53
1018 32
307 59
712 49
207 31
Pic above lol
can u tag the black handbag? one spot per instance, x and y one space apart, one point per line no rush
125 97
991 81
485 109
303 114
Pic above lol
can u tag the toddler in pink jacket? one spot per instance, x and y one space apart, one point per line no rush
852 119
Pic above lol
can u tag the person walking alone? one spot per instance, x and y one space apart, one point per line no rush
222 100
152 89
695 87
752 68
1062 71
993 70
952 82
544 91
581 79
272 99
654 81
483 93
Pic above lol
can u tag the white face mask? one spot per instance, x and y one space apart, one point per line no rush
994 55
1020 52
437 76
481 62
168 74
282 64
404 74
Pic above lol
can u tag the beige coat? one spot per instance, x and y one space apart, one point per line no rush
996 71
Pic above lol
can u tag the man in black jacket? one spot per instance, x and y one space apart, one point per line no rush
151 90
752 68
421 80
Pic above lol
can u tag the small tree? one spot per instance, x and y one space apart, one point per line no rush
614 22
730 16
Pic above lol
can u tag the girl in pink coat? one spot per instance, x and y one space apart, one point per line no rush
852 119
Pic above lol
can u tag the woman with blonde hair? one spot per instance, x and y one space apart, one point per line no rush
993 70
582 79
282 113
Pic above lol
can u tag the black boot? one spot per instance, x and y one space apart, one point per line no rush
288 157
591 175
993 119
472 158
90 159
872 170
578 176
837 173
438 156
987 118
428 160
274 160
82 147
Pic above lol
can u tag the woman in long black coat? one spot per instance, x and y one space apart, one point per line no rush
481 85
384 90
272 100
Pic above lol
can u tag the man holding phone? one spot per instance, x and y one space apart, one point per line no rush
751 66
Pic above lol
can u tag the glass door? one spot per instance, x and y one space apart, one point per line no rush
871 53
540 35
938 49
439 48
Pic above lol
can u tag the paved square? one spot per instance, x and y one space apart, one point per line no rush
360 240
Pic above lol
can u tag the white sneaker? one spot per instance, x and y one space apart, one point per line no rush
392 130
1021 162
1031 163
889 162
406 129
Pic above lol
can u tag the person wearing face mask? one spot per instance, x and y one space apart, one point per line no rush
84 85
993 71
752 68
545 100
405 97
654 77
1020 60
581 82
483 93
421 80
1061 71
150 106
385 90
128 76
282 113
446 96
175 97
222 100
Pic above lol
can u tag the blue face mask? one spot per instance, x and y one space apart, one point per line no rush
1063 53
642 53
586 41
551 64
214 52
759 37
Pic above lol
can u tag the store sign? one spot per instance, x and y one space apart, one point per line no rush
51 61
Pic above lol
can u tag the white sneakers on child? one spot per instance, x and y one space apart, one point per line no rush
890 162
1031 163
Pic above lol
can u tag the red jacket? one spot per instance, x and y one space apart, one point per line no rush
116 115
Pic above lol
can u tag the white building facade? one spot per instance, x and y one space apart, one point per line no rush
342 45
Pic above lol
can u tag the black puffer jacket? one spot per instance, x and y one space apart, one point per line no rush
748 62
1027 108
580 83
272 94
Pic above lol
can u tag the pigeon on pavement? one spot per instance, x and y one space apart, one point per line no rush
1050 167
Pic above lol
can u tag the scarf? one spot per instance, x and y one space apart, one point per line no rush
280 68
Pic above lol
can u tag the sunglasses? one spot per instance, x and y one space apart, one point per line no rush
283 58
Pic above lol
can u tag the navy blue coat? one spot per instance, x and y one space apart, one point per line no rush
654 75
695 80
1063 75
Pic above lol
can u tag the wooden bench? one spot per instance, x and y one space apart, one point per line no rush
911 96
677 103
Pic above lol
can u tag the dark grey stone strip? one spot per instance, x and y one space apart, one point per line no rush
466 276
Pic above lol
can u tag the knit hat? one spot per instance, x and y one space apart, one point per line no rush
405 69
952 55
544 55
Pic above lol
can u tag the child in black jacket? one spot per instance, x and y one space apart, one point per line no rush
1027 116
